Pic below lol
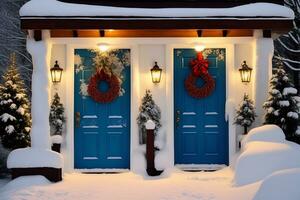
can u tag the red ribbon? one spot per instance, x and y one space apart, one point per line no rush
199 65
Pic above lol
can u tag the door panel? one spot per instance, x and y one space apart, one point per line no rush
102 137
201 136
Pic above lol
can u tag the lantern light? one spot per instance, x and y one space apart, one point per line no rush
156 73
199 47
56 73
245 72
103 47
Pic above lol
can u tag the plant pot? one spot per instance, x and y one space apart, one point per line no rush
150 155
56 147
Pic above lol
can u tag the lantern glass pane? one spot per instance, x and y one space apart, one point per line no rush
245 75
156 76
56 76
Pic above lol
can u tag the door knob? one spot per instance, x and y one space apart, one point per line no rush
177 118
77 119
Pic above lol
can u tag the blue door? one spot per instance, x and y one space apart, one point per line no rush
201 133
102 138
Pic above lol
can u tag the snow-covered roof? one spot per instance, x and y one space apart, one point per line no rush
54 8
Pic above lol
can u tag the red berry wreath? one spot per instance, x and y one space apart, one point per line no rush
113 84
199 69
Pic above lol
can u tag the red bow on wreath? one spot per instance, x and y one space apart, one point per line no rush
199 65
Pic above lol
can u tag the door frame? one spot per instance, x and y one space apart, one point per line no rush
229 103
117 169
226 121
70 97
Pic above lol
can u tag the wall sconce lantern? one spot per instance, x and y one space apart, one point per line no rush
245 72
156 73
56 73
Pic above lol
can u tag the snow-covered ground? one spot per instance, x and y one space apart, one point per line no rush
128 186
3 182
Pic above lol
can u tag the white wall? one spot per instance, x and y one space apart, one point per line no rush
144 52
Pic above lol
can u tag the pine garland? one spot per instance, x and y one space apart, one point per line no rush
15 118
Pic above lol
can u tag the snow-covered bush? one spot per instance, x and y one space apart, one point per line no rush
148 110
266 133
57 117
280 185
260 159
15 119
245 115
282 106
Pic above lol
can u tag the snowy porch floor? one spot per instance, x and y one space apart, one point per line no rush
128 186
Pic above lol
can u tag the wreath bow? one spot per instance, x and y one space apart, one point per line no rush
199 65
199 70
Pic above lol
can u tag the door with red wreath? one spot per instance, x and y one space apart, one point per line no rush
201 132
102 109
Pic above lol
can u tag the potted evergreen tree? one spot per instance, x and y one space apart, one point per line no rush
148 111
245 115
57 120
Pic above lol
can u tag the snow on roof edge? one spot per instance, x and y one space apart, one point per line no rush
57 8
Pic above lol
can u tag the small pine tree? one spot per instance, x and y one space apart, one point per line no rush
148 110
57 117
15 118
245 115
282 105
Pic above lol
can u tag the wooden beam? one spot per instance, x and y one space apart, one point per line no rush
171 3
267 33
267 24
153 33
224 33
75 33
199 33
102 33
37 34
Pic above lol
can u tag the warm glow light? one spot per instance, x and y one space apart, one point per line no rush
103 47
199 47
56 73
245 73
156 73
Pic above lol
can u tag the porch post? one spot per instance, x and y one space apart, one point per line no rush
263 53
40 52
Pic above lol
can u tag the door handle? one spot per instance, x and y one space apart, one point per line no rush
177 118
77 119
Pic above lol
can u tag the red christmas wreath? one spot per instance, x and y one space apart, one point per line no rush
113 87
199 69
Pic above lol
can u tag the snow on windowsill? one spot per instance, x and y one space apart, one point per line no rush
35 8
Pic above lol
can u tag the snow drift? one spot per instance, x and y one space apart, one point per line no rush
24 182
261 159
280 185
19 158
266 133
